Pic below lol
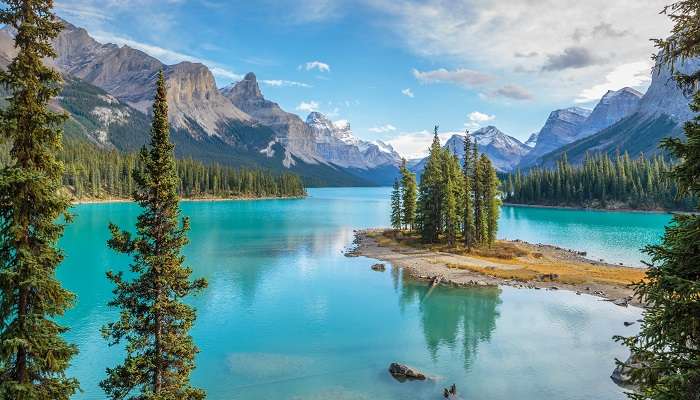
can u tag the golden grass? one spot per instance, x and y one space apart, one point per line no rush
523 265
570 272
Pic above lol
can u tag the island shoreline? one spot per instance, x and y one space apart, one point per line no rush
436 268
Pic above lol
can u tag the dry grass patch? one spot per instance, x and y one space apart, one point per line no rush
565 273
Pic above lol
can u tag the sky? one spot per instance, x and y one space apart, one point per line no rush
396 68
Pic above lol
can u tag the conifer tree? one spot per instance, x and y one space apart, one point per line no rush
33 355
408 196
451 187
396 206
491 200
477 189
468 203
154 322
668 344
430 196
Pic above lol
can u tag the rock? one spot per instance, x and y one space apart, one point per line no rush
450 393
378 267
622 373
436 280
403 372
622 302
628 323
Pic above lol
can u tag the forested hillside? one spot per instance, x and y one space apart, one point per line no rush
94 173
599 182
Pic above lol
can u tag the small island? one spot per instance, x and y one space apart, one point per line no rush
511 263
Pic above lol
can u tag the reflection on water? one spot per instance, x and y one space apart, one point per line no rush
287 316
454 316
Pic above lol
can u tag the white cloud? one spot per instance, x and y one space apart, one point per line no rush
284 83
166 56
415 144
407 92
479 117
383 128
320 66
475 119
636 75
488 36
462 76
308 106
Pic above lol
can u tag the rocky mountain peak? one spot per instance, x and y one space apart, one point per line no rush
532 140
246 89
612 107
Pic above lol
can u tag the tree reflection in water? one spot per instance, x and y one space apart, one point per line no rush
451 317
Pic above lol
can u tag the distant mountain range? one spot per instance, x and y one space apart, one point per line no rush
109 89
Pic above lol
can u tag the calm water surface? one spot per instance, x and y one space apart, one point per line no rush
286 316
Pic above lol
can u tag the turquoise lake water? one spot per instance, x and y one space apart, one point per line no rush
287 316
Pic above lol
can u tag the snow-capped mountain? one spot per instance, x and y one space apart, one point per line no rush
336 144
504 151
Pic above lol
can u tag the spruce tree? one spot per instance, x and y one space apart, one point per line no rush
668 344
478 193
430 196
408 196
154 322
491 200
396 206
468 204
33 355
452 192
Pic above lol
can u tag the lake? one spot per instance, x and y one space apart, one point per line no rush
287 316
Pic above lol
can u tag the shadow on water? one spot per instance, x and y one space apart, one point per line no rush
452 317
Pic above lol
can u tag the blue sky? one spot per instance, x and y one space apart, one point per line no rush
395 68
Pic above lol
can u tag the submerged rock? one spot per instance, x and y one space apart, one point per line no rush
378 267
403 372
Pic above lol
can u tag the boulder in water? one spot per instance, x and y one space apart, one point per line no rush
378 267
403 372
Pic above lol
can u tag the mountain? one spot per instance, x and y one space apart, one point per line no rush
111 90
318 140
561 128
290 130
661 112
503 150
612 107
532 140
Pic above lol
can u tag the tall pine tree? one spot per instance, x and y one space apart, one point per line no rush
154 321
430 195
492 203
408 196
668 344
467 202
396 205
33 355
478 194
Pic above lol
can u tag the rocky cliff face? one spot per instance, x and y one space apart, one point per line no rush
660 113
316 140
129 75
290 130
504 151
664 97
612 107
561 128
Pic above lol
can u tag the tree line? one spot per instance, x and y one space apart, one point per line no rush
93 173
454 203
600 182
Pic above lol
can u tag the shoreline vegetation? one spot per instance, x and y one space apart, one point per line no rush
608 209
507 263
186 199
